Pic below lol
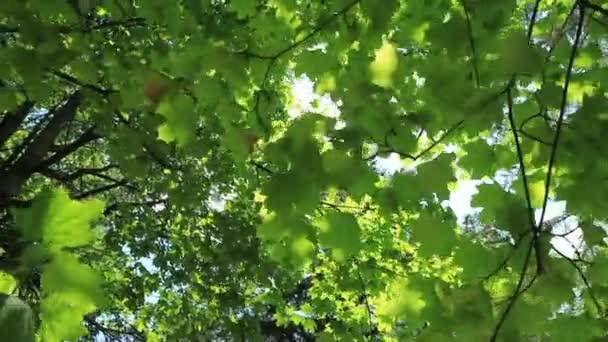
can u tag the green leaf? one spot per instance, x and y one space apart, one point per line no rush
291 192
451 35
58 220
492 14
476 260
72 290
297 251
517 56
504 209
379 14
574 328
243 8
435 175
68 275
401 300
181 120
7 283
341 233
16 320
191 104
598 271
593 234
468 313
384 65
436 236
550 95
479 160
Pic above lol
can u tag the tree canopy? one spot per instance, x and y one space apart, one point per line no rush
162 179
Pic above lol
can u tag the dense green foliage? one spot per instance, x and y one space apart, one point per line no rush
124 124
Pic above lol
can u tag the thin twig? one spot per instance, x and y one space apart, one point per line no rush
528 119
509 256
340 206
533 20
471 42
274 57
593 7
261 167
576 251
566 233
514 296
596 302
562 111
520 158
561 32
302 40
522 168
449 131
531 137
368 307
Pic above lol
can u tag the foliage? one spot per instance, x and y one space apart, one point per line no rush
125 124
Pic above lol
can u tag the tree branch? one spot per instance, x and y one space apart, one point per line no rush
66 178
11 122
65 150
101 189
92 171
13 177
73 80
129 22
